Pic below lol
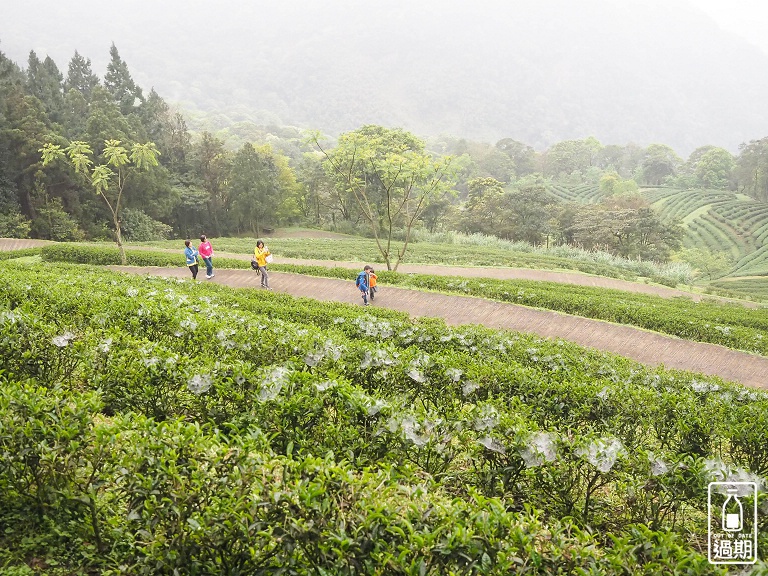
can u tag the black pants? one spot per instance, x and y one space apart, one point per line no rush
194 268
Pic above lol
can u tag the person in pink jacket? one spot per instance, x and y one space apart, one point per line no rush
206 252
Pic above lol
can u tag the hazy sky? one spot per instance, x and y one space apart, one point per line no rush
747 18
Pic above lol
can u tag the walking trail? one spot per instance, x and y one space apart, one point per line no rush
646 347
498 273
641 345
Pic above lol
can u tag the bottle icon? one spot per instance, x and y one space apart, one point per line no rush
733 512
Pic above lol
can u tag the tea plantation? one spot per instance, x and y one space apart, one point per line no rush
153 426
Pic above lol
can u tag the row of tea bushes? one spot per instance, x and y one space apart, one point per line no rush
73 252
730 325
574 434
129 495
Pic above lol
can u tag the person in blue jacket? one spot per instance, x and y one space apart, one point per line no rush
362 284
191 254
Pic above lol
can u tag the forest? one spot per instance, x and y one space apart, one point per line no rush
246 179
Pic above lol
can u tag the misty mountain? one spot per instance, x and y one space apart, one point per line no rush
538 71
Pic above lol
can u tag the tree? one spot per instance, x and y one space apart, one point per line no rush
315 187
706 261
44 82
751 171
254 188
120 85
80 77
523 156
714 168
530 213
109 177
392 179
25 130
660 161
611 183
625 224
569 156
483 211
211 168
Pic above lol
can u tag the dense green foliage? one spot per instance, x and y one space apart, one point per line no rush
751 287
388 186
155 424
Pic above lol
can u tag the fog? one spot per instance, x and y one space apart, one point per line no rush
536 71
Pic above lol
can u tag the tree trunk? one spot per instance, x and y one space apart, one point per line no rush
119 239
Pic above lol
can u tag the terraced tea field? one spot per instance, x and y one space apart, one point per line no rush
718 220
722 222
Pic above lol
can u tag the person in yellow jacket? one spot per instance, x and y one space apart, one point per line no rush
260 255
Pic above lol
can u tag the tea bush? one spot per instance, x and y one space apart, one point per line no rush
157 424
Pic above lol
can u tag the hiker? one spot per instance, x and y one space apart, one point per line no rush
362 284
191 254
260 254
206 251
372 283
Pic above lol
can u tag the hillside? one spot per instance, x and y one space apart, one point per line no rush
718 220
539 72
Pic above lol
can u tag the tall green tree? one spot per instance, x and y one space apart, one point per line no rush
179 144
26 130
751 170
120 84
211 166
109 177
255 188
523 156
80 76
714 168
156 118
45 82
569 156
392 179
316 188
660 161
106 122
483 212
529 208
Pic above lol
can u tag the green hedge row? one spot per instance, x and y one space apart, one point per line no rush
130 495
110 256
730 325
21 253
463 409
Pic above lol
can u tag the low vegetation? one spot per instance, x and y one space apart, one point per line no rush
150 425
730 325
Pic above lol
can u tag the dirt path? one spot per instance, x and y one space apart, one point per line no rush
641 345
8 244
498 273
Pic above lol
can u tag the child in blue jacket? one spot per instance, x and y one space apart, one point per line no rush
362 284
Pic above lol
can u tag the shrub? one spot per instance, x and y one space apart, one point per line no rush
138 227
